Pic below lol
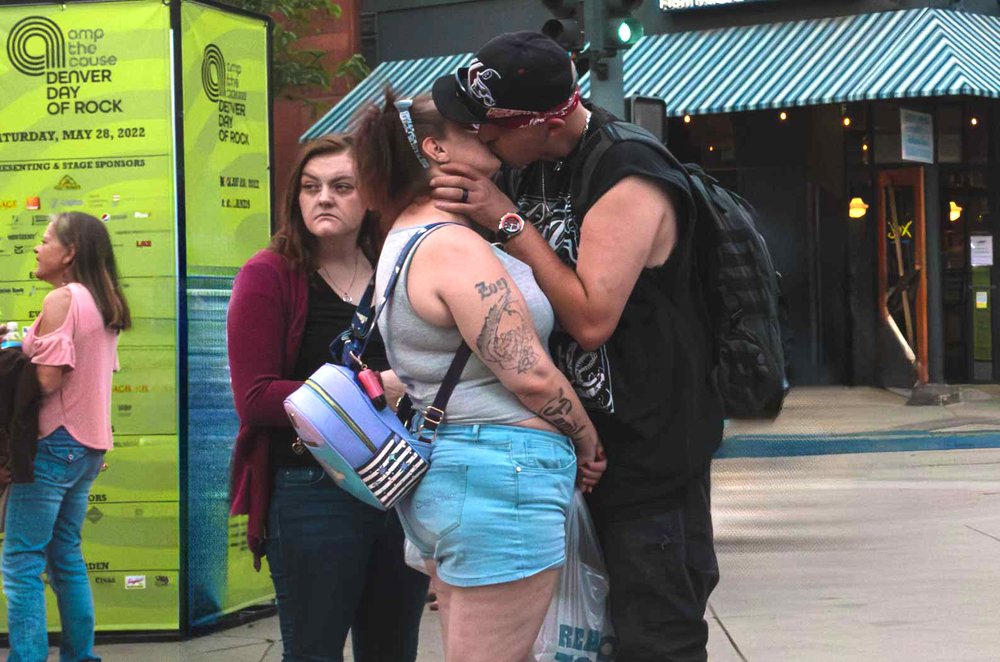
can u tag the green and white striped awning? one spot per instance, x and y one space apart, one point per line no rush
407 77
887 55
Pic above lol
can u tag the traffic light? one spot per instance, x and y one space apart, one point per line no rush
566 29
621 29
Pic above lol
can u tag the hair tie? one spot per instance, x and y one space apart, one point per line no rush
403 107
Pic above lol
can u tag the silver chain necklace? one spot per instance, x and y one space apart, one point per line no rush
558 166
346 296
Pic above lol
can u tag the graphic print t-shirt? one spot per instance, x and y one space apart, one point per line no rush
648 389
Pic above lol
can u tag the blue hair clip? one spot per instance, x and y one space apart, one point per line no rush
403 107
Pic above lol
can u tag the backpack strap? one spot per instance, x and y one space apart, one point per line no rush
597 145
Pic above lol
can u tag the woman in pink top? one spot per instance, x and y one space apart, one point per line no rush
73 344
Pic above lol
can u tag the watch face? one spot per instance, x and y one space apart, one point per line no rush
511 223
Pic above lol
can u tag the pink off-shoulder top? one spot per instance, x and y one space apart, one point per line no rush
90 352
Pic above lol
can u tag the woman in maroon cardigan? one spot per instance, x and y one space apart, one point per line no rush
337 563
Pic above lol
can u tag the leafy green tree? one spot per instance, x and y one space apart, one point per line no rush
293 68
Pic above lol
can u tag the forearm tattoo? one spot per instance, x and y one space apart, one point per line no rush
506 336
558 411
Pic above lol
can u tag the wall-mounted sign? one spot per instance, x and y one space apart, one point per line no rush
917 133
676 5
981 254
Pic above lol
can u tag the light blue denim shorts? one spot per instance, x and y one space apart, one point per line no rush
492 508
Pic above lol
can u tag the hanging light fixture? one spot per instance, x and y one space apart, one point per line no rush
857 208
954 211
847 121
974 121
783 116
687 119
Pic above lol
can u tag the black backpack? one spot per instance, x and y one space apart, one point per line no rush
737 276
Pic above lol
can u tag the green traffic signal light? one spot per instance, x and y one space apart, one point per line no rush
626 31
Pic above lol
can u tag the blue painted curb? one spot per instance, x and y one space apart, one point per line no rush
870 442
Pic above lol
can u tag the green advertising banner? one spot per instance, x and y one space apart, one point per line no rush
89 122
86 125
226 138
227 219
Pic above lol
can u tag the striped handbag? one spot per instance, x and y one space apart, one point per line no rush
360 442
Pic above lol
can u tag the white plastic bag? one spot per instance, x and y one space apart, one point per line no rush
412 557
577 627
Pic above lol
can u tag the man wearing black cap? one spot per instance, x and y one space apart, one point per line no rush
634 338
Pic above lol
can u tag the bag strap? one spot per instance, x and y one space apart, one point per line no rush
434 414
364 322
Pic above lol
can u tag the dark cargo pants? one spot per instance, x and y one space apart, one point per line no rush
662 567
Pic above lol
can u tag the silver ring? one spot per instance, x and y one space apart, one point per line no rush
465 195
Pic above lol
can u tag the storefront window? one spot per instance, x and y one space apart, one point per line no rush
976 130
713 135
949 133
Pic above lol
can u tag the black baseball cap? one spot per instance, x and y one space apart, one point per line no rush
515 76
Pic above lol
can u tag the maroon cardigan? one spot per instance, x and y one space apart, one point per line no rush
267 316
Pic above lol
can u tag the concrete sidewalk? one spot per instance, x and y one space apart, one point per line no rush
866 556
841 419
829 550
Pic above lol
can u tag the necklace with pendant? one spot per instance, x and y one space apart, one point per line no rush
346 296
558 166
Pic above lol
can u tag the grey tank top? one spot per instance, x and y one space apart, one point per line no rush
420 353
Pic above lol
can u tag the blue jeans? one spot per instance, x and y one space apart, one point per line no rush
337 565
43 525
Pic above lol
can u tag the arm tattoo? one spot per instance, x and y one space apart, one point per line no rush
491 289
557 411
510 348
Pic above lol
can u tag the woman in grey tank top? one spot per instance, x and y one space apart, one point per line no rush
489 515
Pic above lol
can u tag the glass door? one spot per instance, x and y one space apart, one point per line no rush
902 279
967 244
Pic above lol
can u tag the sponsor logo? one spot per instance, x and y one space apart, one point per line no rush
67 183
141 214
94 515
97 498
33 203
213 73
21 237
104 580
39 219
71 202
8 204
36 44
105 217
100 565
18 249
135 582
116 198
161 580
144 243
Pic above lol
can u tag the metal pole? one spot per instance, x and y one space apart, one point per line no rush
607 85
935 274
